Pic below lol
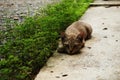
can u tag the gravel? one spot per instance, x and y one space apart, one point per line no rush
17 9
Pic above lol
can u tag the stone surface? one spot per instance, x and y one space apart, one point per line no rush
17 9
106 3
99 59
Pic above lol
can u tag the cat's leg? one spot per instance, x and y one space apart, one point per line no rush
83 44
61 50
89 36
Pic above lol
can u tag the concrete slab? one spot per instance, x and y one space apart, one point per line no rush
106 3
99 59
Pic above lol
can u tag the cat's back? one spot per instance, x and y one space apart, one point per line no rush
75 28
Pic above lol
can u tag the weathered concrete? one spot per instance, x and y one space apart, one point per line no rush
99 59
106 3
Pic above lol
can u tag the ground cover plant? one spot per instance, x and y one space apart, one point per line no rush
26 46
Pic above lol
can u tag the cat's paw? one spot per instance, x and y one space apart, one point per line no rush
61 50
83 45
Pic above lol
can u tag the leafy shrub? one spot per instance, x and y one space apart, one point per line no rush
26 47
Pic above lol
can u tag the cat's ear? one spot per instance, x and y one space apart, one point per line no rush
63 36
80 37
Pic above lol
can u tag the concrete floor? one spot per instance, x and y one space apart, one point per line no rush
99 59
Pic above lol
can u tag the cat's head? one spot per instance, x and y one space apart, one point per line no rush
71 43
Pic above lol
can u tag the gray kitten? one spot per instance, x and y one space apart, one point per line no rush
73 39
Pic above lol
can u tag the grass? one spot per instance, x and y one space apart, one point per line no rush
26 47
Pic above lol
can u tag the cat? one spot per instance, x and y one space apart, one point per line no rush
73 39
